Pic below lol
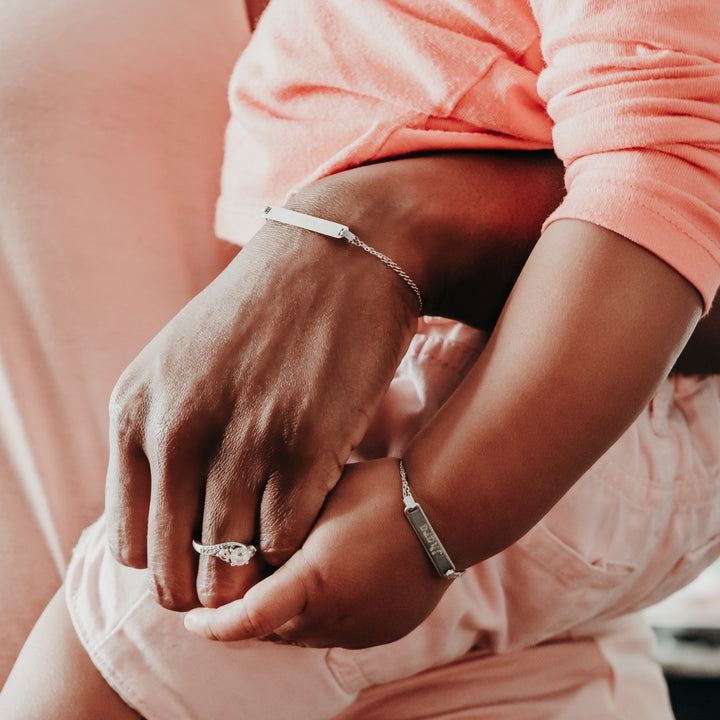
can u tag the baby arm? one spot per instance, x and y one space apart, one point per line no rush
592 326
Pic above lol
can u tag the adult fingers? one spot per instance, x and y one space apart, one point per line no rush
229 515
127 497
174 517
266 607
290 505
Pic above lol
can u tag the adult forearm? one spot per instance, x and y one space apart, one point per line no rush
461 224
593 324
464 224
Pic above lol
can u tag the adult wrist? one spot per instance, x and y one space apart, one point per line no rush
338 231
450 220
386 214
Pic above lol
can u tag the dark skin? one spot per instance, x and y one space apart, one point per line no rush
695 357
701 355
510 441
423 200
236 421
232 428
255 9
195 404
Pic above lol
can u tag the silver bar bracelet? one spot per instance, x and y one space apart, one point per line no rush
425 533
336 230
308 222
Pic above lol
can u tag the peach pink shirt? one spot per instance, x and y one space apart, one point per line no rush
627 93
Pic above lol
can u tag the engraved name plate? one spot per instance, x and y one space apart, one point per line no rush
430 541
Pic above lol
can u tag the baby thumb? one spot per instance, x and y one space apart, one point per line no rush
265 607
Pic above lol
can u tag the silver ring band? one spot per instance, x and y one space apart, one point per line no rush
234 553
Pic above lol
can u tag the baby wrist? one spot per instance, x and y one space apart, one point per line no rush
425 532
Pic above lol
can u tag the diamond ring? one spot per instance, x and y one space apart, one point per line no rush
234 553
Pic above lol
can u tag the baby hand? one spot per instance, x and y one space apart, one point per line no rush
360 579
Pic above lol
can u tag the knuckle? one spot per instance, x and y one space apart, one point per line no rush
179 600
257 622
163 447
168 450
215 589
279 538
276 556
214 597
130 556
125 406
172 434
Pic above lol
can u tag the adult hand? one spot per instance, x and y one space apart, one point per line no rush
237 419
360 579
235 422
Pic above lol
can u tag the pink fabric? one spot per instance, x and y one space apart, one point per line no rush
605 676
145 655
632 89
143 652
112 117
652 527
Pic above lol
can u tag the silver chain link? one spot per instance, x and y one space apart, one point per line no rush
355 240
336 230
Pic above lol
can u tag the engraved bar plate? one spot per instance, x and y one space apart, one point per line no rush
307 222
431 542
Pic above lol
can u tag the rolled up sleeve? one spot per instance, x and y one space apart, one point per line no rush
633 89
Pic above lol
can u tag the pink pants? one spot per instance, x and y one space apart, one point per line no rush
541 630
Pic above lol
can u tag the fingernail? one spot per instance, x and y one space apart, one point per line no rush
194 622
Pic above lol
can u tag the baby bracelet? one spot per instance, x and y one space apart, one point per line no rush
336 230
424 530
